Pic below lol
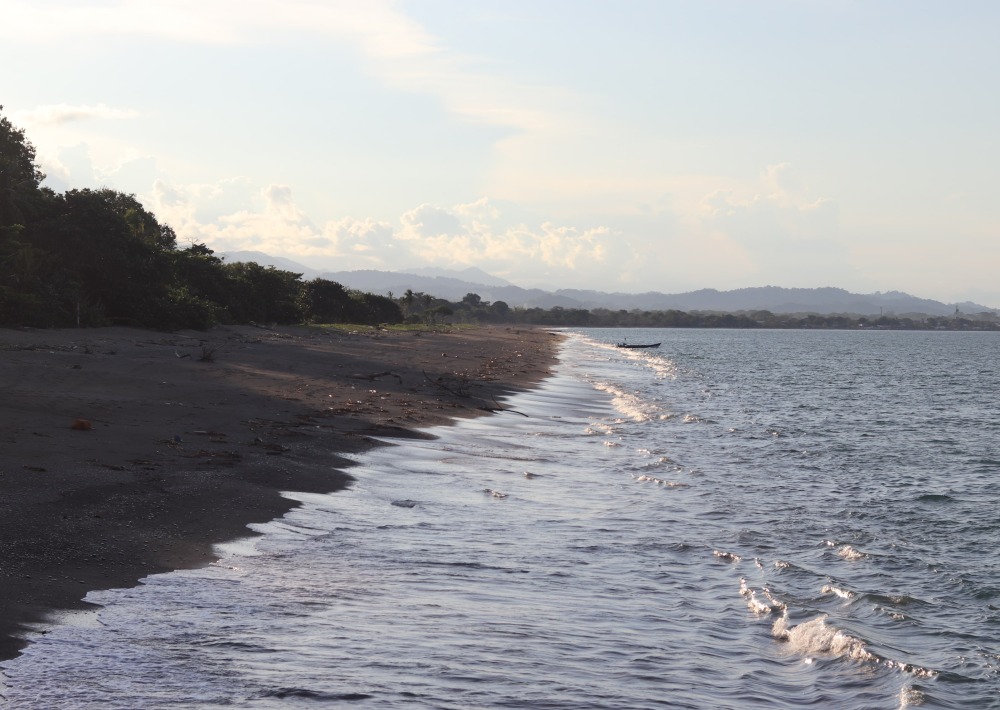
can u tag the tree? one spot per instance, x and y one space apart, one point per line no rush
263 294
372 309
407 300
19 176
500 309
98 265
432 313
325 301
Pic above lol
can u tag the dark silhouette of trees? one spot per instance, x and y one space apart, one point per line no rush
19 176
98 257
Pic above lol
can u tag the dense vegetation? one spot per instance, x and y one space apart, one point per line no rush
98 257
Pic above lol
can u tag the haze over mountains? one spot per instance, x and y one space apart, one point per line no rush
454 284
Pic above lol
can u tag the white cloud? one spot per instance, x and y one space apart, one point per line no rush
468 234
186 20
400 52
59 114
427 221
369 240
784 233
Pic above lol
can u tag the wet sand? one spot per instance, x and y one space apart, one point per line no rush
125 453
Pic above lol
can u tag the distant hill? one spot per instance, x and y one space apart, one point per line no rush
821 301
471 274
453 285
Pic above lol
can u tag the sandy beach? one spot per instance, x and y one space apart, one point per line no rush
127 453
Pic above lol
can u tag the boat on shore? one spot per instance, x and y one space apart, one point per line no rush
636 346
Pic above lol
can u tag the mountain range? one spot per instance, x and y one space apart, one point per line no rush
453 285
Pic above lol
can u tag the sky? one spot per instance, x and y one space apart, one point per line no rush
625 145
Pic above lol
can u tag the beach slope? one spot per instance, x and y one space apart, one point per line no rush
125 453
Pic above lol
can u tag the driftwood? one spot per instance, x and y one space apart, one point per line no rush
375 375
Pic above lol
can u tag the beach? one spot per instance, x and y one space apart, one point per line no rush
128 453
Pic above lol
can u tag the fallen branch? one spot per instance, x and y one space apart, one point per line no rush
463 393
375 375
501 409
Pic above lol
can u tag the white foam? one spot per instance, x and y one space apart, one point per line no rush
842 593
663 368
816 637
755 604
600 428
849 553
630 404
645 478
910 697
727 556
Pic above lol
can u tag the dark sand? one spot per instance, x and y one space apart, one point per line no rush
194 435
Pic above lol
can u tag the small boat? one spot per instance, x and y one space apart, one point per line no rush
623 344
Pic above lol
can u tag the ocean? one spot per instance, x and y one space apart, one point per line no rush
737 519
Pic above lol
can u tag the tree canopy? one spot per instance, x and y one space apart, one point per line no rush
98 257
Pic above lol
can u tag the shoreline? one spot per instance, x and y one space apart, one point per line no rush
128 453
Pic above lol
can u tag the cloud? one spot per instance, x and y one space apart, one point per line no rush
780 228
73 167
428 221
362 243
54 20
473 234
463 235
60 114
399 51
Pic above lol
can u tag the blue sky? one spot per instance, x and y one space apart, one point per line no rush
625 146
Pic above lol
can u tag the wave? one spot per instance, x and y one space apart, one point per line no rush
816 637
851 554
911 697
842 593
629 404
306 694
934 498
663 367
894 600
754 602
644 478
601 428
727 556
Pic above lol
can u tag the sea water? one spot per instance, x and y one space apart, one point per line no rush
736 519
